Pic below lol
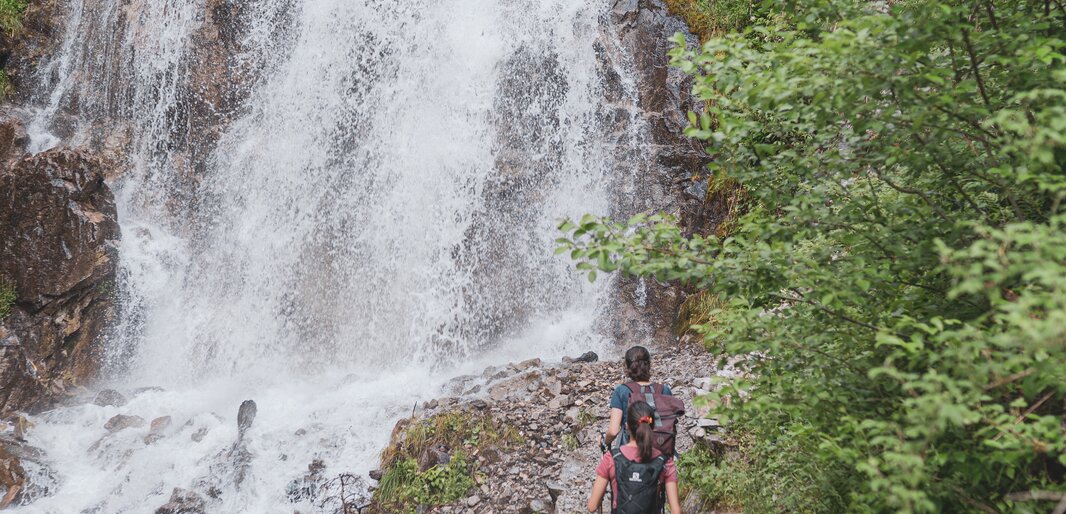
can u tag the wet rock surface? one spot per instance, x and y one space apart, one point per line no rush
57 251
636 38
559 410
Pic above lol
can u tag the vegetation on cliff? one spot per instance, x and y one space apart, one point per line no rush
7 299
11 14
896 289
427 463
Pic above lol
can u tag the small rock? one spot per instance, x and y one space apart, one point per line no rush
183 501
573 413
588 357
199 435
473 500
707 423
554 490
122 422
479 404
376 474
155 432
491 455
109 398
436 455
432 404
527 364
159 424
20 425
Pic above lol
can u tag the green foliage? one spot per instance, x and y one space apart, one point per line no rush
570 442
11 13
404 487
7 299
896 292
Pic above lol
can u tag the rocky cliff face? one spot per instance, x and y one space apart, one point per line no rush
57 252
640 31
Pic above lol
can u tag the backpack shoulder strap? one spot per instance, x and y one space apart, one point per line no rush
633 387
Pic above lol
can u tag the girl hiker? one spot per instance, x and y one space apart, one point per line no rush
637 472
638 369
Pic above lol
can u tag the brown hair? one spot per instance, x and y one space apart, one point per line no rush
640 418
638 364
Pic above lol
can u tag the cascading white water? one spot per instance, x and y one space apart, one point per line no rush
377 217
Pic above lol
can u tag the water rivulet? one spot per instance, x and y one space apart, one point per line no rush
331 207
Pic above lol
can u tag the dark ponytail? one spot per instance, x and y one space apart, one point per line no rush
638 364
640 419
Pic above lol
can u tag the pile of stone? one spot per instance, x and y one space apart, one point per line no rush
559 410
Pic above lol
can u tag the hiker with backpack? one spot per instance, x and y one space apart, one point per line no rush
668 409
642 479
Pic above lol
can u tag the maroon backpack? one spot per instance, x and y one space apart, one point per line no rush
668 409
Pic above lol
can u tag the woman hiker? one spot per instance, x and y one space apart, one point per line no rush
638 369
637 472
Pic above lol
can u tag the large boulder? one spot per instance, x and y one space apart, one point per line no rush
57 252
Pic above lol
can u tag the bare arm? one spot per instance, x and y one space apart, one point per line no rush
673 498
615 427
598 490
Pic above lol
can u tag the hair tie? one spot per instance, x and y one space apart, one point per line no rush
645 419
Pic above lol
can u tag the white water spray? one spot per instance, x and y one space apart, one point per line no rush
377 217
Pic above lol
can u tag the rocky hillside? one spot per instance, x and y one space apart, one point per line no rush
528 435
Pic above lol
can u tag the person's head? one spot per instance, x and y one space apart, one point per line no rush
638 364
640 420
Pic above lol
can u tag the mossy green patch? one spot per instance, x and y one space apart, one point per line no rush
7 299
11 14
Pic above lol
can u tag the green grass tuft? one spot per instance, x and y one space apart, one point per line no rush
7 299
11 14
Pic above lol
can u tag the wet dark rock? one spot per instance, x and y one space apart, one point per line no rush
588 357
13 138
18 463
307 487
109 398
12 477
121 422
376 474
245 417
57 248
183 501
637 36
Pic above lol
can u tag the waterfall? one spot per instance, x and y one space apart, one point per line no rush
330 207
